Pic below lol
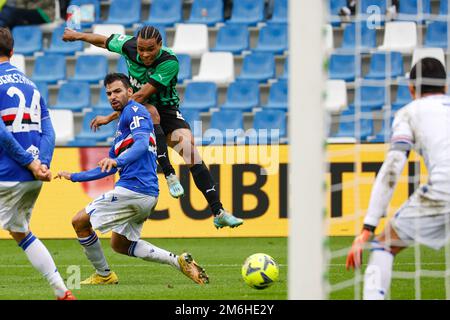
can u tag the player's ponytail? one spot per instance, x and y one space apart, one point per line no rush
150 32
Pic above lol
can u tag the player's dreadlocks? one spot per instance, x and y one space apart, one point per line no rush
149 32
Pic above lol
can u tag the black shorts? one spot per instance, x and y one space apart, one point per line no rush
171 119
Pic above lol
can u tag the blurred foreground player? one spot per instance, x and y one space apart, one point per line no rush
124 209
27 141
422 125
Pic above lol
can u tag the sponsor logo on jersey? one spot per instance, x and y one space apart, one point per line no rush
136 123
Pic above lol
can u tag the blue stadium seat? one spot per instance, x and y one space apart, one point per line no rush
334 7
90 11
43 90
342 67
27 40
285 74
165 12
192 116
225 122
49 68
233 38
90 68
161 28
368 37
248 12
278 95
280 8
243 95
369 97
380 60
200 95
365 4
436 35
443 7
125 12
87 136
207 12
384 134
122 66
103 102
73 96
272 38
258 66
59 46
185 67
266 120
403 97
347 126
409 10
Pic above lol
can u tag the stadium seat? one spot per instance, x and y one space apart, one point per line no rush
280 8
43 90
265 122
367 37
232 38
49 68
248 12
347 128
400 36
18 61
285 74
366 4
90 68
403 97
272 38
89 10
225 127
208 12
217 67
436 34
259 66
103 102
59 46
87 136
420 53
336 97
124 12
104 30
384 134
161 28
165 12
380 61
73 96
192 116
243 95
191 39
185 67
414 10
278 95
63 124
27 40
200 96
122 66
334 7
343 67
369 97
443 7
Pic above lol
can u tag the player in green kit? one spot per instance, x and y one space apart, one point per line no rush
153 71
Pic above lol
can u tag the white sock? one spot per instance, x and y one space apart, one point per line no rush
94 252
377 277
41 260
148 252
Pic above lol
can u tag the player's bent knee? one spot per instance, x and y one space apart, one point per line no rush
80 221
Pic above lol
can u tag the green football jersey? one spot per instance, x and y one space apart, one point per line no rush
162 74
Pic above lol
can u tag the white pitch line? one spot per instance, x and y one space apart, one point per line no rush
127 265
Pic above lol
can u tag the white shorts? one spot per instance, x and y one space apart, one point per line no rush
423 220
122 211
17 200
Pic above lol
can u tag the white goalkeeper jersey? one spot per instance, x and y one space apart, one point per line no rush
424 124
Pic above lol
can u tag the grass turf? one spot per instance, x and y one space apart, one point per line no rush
222 258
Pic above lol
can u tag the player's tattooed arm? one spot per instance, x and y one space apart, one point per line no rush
92 38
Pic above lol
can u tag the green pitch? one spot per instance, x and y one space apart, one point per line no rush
222 258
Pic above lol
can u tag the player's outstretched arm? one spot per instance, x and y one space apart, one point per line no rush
99 121
92 38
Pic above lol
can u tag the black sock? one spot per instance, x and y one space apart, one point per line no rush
205 183
163 155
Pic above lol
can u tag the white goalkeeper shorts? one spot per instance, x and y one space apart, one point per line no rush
122 211
17 201
424 221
